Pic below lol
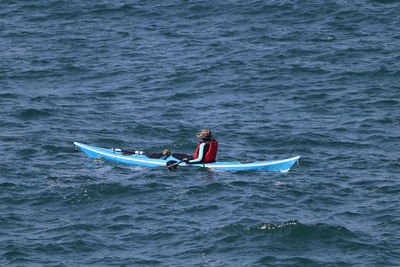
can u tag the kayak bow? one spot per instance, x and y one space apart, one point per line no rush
142 160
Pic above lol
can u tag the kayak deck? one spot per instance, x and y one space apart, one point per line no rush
142 160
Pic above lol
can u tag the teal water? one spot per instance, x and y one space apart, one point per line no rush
272 79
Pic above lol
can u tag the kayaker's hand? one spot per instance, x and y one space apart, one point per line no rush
185 160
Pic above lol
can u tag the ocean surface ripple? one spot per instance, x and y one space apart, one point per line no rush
272 79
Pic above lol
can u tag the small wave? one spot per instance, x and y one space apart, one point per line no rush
78 227
202 208
16 253
199 8
7 185
9 96
32 113
52 149
240 183
385 1
103 9
212 187
27 152
293 229
181 96
292 261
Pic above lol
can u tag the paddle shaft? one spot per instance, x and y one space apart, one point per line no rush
175 164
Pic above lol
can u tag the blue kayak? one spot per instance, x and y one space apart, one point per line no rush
283 165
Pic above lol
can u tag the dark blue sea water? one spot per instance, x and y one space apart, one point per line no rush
272 79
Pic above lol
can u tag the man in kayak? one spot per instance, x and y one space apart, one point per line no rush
206 151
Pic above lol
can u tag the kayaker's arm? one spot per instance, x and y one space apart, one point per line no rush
200 155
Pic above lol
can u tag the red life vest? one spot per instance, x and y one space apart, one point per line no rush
211 153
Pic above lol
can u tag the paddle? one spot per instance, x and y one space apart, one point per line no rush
172 164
